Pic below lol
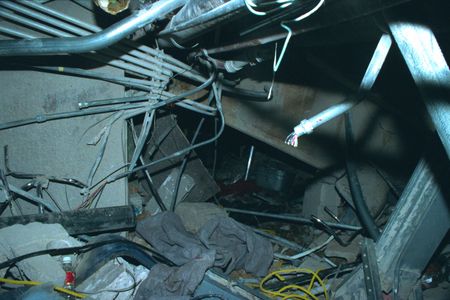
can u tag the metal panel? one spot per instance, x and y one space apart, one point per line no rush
414 231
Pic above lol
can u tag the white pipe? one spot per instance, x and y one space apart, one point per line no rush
307 126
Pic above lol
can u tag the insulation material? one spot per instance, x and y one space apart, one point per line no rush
192 9
112 7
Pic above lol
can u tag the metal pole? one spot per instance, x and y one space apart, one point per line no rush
291 218
429 70
96 41
249 163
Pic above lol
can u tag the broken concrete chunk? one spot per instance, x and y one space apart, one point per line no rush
17 240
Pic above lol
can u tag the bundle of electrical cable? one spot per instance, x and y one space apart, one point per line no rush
310 291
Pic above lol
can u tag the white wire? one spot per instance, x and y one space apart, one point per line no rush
277 62
250 4
304 16
304 253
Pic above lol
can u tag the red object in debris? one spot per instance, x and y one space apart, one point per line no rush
70 279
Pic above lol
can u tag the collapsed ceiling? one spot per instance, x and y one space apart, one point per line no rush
240 149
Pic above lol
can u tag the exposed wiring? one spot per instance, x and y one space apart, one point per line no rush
83 249
251 5
212 78
53 199
302 279
56 288
151 186
287 243
178 153
304 253
140 143
293 291
29 196
277 62
104 134
284 3
304 16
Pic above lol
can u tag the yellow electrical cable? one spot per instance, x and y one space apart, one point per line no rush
56 288
290 295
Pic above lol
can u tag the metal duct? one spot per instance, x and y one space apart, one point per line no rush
198 16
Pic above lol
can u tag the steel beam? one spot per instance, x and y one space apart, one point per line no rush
429 70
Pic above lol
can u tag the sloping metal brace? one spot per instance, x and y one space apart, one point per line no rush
370 268
430 72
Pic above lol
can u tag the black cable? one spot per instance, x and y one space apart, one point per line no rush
245 94
82 249
303 279
210 80
366 220
62 115
128 82
186 158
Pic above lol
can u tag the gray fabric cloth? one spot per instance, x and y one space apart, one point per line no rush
167 234
236 246
174 283
221 242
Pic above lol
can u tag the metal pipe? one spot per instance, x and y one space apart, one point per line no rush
152 55
308 125
291 218
330 19
154 71
81 32
14 32
94 56
93 28
93 42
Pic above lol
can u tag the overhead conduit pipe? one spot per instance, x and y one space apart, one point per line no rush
100 40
